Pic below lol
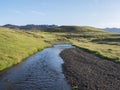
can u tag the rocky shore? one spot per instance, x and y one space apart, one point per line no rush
85 71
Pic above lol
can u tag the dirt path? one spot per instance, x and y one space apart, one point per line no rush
85 71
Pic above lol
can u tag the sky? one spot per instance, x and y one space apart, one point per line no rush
97 13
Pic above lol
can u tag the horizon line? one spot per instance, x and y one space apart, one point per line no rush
60 25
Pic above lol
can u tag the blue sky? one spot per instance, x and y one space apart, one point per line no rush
98 13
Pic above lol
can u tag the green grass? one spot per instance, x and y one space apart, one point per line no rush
102 50
101 43
16 45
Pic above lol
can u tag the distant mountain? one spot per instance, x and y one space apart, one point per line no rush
30 27
11 26
54 28
115 30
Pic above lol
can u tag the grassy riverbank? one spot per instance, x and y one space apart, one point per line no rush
15 45
96 41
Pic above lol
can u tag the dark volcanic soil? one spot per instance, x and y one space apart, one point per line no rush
85 71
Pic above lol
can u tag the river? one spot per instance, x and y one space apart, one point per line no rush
42 71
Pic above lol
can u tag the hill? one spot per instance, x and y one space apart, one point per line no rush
15 45
102 43
74 29
29 27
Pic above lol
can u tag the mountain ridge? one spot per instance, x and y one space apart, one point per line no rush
53 27
114 30
29 26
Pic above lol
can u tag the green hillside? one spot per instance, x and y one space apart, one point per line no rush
16 45
99 42
75 29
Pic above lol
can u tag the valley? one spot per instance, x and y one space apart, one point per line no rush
17 45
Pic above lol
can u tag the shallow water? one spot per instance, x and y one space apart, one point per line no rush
42 71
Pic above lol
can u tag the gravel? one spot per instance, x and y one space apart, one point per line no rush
85 71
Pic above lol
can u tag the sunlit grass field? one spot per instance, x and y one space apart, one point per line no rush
101 43
16 45
111 52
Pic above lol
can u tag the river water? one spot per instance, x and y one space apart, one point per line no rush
42 71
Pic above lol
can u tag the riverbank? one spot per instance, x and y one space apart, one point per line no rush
16 46
85 71
41 71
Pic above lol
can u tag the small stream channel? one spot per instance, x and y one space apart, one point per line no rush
42 71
